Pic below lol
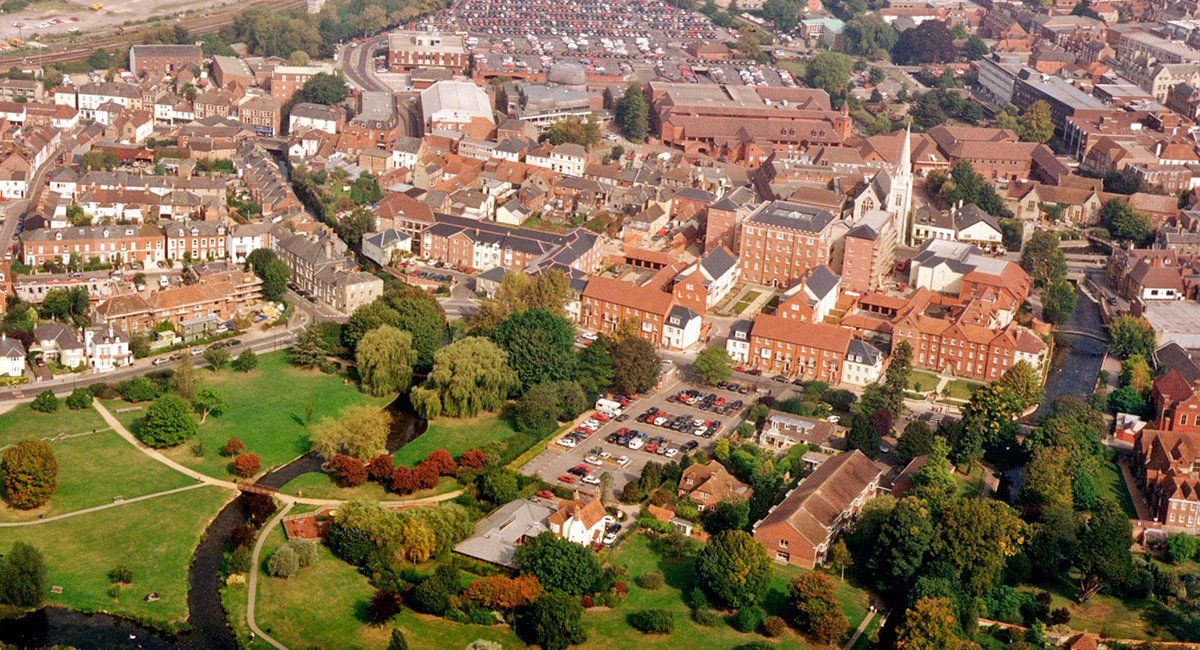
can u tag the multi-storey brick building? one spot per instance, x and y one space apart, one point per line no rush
607 303
106 244
781 241
413 49
1169 469
287 79
194 241
262 114
482 245
869 252
155 61
794 348
217 299
1176 403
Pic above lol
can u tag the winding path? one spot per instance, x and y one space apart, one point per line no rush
106 506
252 583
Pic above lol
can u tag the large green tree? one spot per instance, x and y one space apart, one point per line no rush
168 422
713 365
560 565
553 621
817 612
1130 335
1042 259
902 543
1023 382
635 364
1037 125
520 292
1104 557
1058 301
385 359
540 346
633 114
1124 222
830 71
469 376
324 88
405 308
23 581
594 369
30 474
359 431
734 568
976 537
990 409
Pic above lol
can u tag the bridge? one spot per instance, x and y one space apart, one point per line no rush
1085 333
255 488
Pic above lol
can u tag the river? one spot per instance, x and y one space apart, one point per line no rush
210 627
1076 372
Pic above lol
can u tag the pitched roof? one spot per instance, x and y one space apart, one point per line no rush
812 508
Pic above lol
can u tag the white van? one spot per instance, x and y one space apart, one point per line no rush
608 407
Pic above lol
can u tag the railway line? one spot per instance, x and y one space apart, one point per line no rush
199 24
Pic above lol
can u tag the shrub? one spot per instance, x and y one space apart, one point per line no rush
500 592
442 460
432 596
748 619
380 468
473 458
426 475
242 535
774 626
347 471
1182 547
139 389
120 574
104 391
385 603
246 465
283 563
45 402
168 422
305 550
652 621
233 447
403 481
697 599
755 645
30 474
239 560
398 641
497 486
79 399
246 361
707 617
650 580
1060 616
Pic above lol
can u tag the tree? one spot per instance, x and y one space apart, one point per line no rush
500 592
784 13
1136 373
916 440
469 376
1058 301
1037 125
558 564
1124 222
895 379
139 389
247 465
1130 335
397 641
1104 556
594 368
713 365
209 401
497 486
309 350
1127 400
817 612
217 358
830 71
168 422
1042 259
1022 381
635 364
976 49
870 36
633 114
863 435
283 563
347 471
573 130
988 411
726 515
385 359
519 292
966 185
537 410
1182 547
23 581
183 380
45 402
734 569
902 542
246 361
359 431
407 309
975 537
66 305
553 621
30 474
540 346
323 88
930 625
840 558
79 399
1047 479
929 42
934 482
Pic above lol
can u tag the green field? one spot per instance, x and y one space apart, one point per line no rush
22 423
745 301
318 485
922 381
455 436
961 389
266 411
1109 483
154 538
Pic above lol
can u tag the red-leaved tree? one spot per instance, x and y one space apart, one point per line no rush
380 468
426 474
403 480
502 592
441 459
233 447
473 459
246 465
347 471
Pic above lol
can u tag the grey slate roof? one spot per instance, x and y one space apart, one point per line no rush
718 262
793 216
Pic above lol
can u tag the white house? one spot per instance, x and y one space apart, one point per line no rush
568 159
59 343
974 226
243 239
107 348
12 357
819 292
381 246
863 363
305 116
738 343
582 523
681 329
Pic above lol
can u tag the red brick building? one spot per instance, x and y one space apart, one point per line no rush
157 60
995 154
781 241
1176 403
794 348
413 49
607 303
1169 469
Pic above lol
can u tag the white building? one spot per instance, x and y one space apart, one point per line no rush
863 364
12 357
681 329
107 348
568 159
454 105
381 247
581 523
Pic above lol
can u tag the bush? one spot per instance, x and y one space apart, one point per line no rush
1182 547
707 617
139 389
120 574
283 563
347 471
168 422
748 619
652 621
385 604
45 402
497 486
650 580
233 447
473 459
441 459
432 596
30 474
246 465
697 599
774 626
305 550
246 361
239 560
380 468
79 399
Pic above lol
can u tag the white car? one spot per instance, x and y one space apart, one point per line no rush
636 443
606 455
701 431
591 480
610 538
672 452
658 421
159 361
697 423
623 461
592 460
566 442
833 419
195 352
589 336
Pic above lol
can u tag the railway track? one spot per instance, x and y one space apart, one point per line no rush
200 24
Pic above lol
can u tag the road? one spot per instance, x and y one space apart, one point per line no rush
358 63
13 210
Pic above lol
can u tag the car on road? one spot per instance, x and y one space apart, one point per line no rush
160 361
592 460
689 445
613 531
195 352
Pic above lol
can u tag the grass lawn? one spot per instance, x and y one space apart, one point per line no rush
1110 483
266 411
745 301
318 485
455 436
609 629
322 606
154 538
23 423
1113 617
96 468
961 389
921 381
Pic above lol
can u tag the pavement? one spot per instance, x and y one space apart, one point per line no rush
357 61
252 582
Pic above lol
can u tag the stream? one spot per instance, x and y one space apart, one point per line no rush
210 629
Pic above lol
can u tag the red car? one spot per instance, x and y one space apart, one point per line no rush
566 478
